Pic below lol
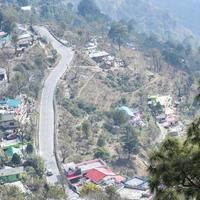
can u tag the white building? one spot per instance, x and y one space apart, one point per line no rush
26 8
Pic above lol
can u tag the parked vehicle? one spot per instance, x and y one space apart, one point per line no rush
49 172
12 136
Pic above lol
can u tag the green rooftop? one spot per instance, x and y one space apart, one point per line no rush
11 151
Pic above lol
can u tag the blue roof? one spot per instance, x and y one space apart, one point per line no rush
127 110
137 182
15 103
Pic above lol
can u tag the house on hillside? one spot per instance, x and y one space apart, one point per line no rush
127 110
7 120
91 46
13 142
165 101
134 115
25 40
9 125
9 175
4 38
166 125
10 103
11 151
88 165
152 100
107 62
136 188
173 133
119 63
172 120
75 172
161 118
97 56
6 116
137 183
103 176
95 171
83 167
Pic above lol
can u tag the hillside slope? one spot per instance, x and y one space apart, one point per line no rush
185 11
149 17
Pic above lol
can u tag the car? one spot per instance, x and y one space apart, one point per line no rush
2 182
12 136
49 172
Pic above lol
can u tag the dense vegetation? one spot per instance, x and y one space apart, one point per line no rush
88 8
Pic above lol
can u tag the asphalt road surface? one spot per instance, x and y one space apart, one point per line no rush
46 124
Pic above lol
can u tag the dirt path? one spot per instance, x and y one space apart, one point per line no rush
85 85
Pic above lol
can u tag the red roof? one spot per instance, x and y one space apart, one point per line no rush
98 174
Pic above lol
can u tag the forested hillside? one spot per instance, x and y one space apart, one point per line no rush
186 12
146 17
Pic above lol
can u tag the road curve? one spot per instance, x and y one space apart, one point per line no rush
46 124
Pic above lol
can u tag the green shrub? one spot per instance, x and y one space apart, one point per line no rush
101 141
102 153
88 108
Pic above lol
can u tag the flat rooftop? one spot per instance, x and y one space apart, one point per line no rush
98 54
24 36
11 171
134 194
26 8
137 182
88 165
2 70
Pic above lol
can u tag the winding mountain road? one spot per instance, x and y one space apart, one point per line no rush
46 124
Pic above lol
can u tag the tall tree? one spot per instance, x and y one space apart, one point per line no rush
119 117
118 33
130 142
86 129
101 142
29 148
38 165
64 151
14 41
103 153
16 160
